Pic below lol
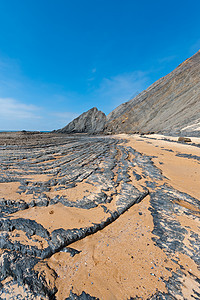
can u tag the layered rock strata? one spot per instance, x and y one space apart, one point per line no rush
92 122
170 105
60 194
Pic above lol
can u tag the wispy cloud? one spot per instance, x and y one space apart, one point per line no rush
65 115
92 76
61 119
32 105
167 59
115 90
15 115
195 47
110 92
12 109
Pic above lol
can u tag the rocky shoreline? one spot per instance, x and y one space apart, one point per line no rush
58 190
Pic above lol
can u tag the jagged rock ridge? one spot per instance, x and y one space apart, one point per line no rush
92 121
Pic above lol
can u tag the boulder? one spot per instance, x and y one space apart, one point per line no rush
184 139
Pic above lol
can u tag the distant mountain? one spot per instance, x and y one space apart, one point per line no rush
92 121
170 105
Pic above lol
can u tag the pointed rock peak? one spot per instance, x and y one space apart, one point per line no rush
93 109
92 122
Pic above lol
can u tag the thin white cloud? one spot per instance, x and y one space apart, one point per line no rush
122 87
65 115
91 79
92 75
61 119
15 115
12 109
195 47
167 59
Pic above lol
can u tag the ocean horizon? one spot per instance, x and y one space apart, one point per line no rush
24 130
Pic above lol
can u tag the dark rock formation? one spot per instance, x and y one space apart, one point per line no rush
83 296
92 121
122 176
169 105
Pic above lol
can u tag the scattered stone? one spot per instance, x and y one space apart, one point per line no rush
184 139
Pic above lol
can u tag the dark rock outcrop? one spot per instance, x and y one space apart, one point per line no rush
113 176
92 121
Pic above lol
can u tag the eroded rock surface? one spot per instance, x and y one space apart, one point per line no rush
92 122
97 218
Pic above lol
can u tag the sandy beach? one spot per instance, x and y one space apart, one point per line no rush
128 226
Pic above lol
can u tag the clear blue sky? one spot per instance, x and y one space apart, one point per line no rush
60 58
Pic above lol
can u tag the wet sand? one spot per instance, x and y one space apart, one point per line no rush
183 174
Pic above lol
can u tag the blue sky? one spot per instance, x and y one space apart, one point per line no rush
60 58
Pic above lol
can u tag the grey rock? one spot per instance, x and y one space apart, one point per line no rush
170 105
113 167
93 121
83 296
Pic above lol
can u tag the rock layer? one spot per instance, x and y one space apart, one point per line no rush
169 105
95 218
92 121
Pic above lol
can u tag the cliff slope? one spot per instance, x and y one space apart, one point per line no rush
92 121
171 104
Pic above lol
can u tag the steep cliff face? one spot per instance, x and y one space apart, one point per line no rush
93 121
172 104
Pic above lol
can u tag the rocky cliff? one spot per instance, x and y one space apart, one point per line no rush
171 104
92 121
